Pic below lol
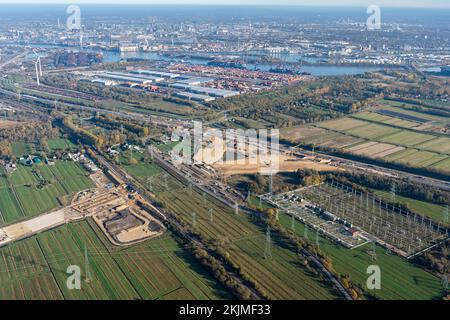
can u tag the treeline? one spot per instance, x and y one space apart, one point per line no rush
214 262
424 107
437 260
29 132
428 172
403 187
117 123
298 104
81 134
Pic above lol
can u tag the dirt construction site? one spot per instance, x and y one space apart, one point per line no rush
117 210
286 164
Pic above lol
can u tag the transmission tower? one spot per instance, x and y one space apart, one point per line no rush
373 252
445 282
268 249
211 216
446 214
194 220
166 185
393 192
270 185
86 265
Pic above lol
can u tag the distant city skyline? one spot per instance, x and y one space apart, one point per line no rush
349 3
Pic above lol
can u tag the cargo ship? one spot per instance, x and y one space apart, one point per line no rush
288 71
227 64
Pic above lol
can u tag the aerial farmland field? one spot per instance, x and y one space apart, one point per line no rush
156 269
60 144
25 196
22 148
375 135
282 276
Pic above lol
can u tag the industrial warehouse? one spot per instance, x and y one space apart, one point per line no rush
186 86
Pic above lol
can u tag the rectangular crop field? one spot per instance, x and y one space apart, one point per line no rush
282 277
60 144
30 191
157 269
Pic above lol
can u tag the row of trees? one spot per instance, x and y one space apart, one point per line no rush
297 104
403 187
118 123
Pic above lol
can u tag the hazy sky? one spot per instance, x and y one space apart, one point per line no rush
385 3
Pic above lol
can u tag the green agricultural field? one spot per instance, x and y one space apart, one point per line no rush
143 171
416 158
157 269
24 196
441 145
60 144
400 280
282 276
9 207
168 146
408 109
359 128
442 165
343 124
25 273
383 119
373 131
21 148
421 149
408 138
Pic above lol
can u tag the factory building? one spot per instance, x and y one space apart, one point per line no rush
121 78
121 74
194 96
105 82
193 81
218 93
160 74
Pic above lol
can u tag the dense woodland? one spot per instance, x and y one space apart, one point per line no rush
27 132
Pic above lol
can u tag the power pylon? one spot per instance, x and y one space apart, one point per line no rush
211 216
86 265
268 249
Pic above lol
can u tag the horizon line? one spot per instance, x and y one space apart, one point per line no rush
220 4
